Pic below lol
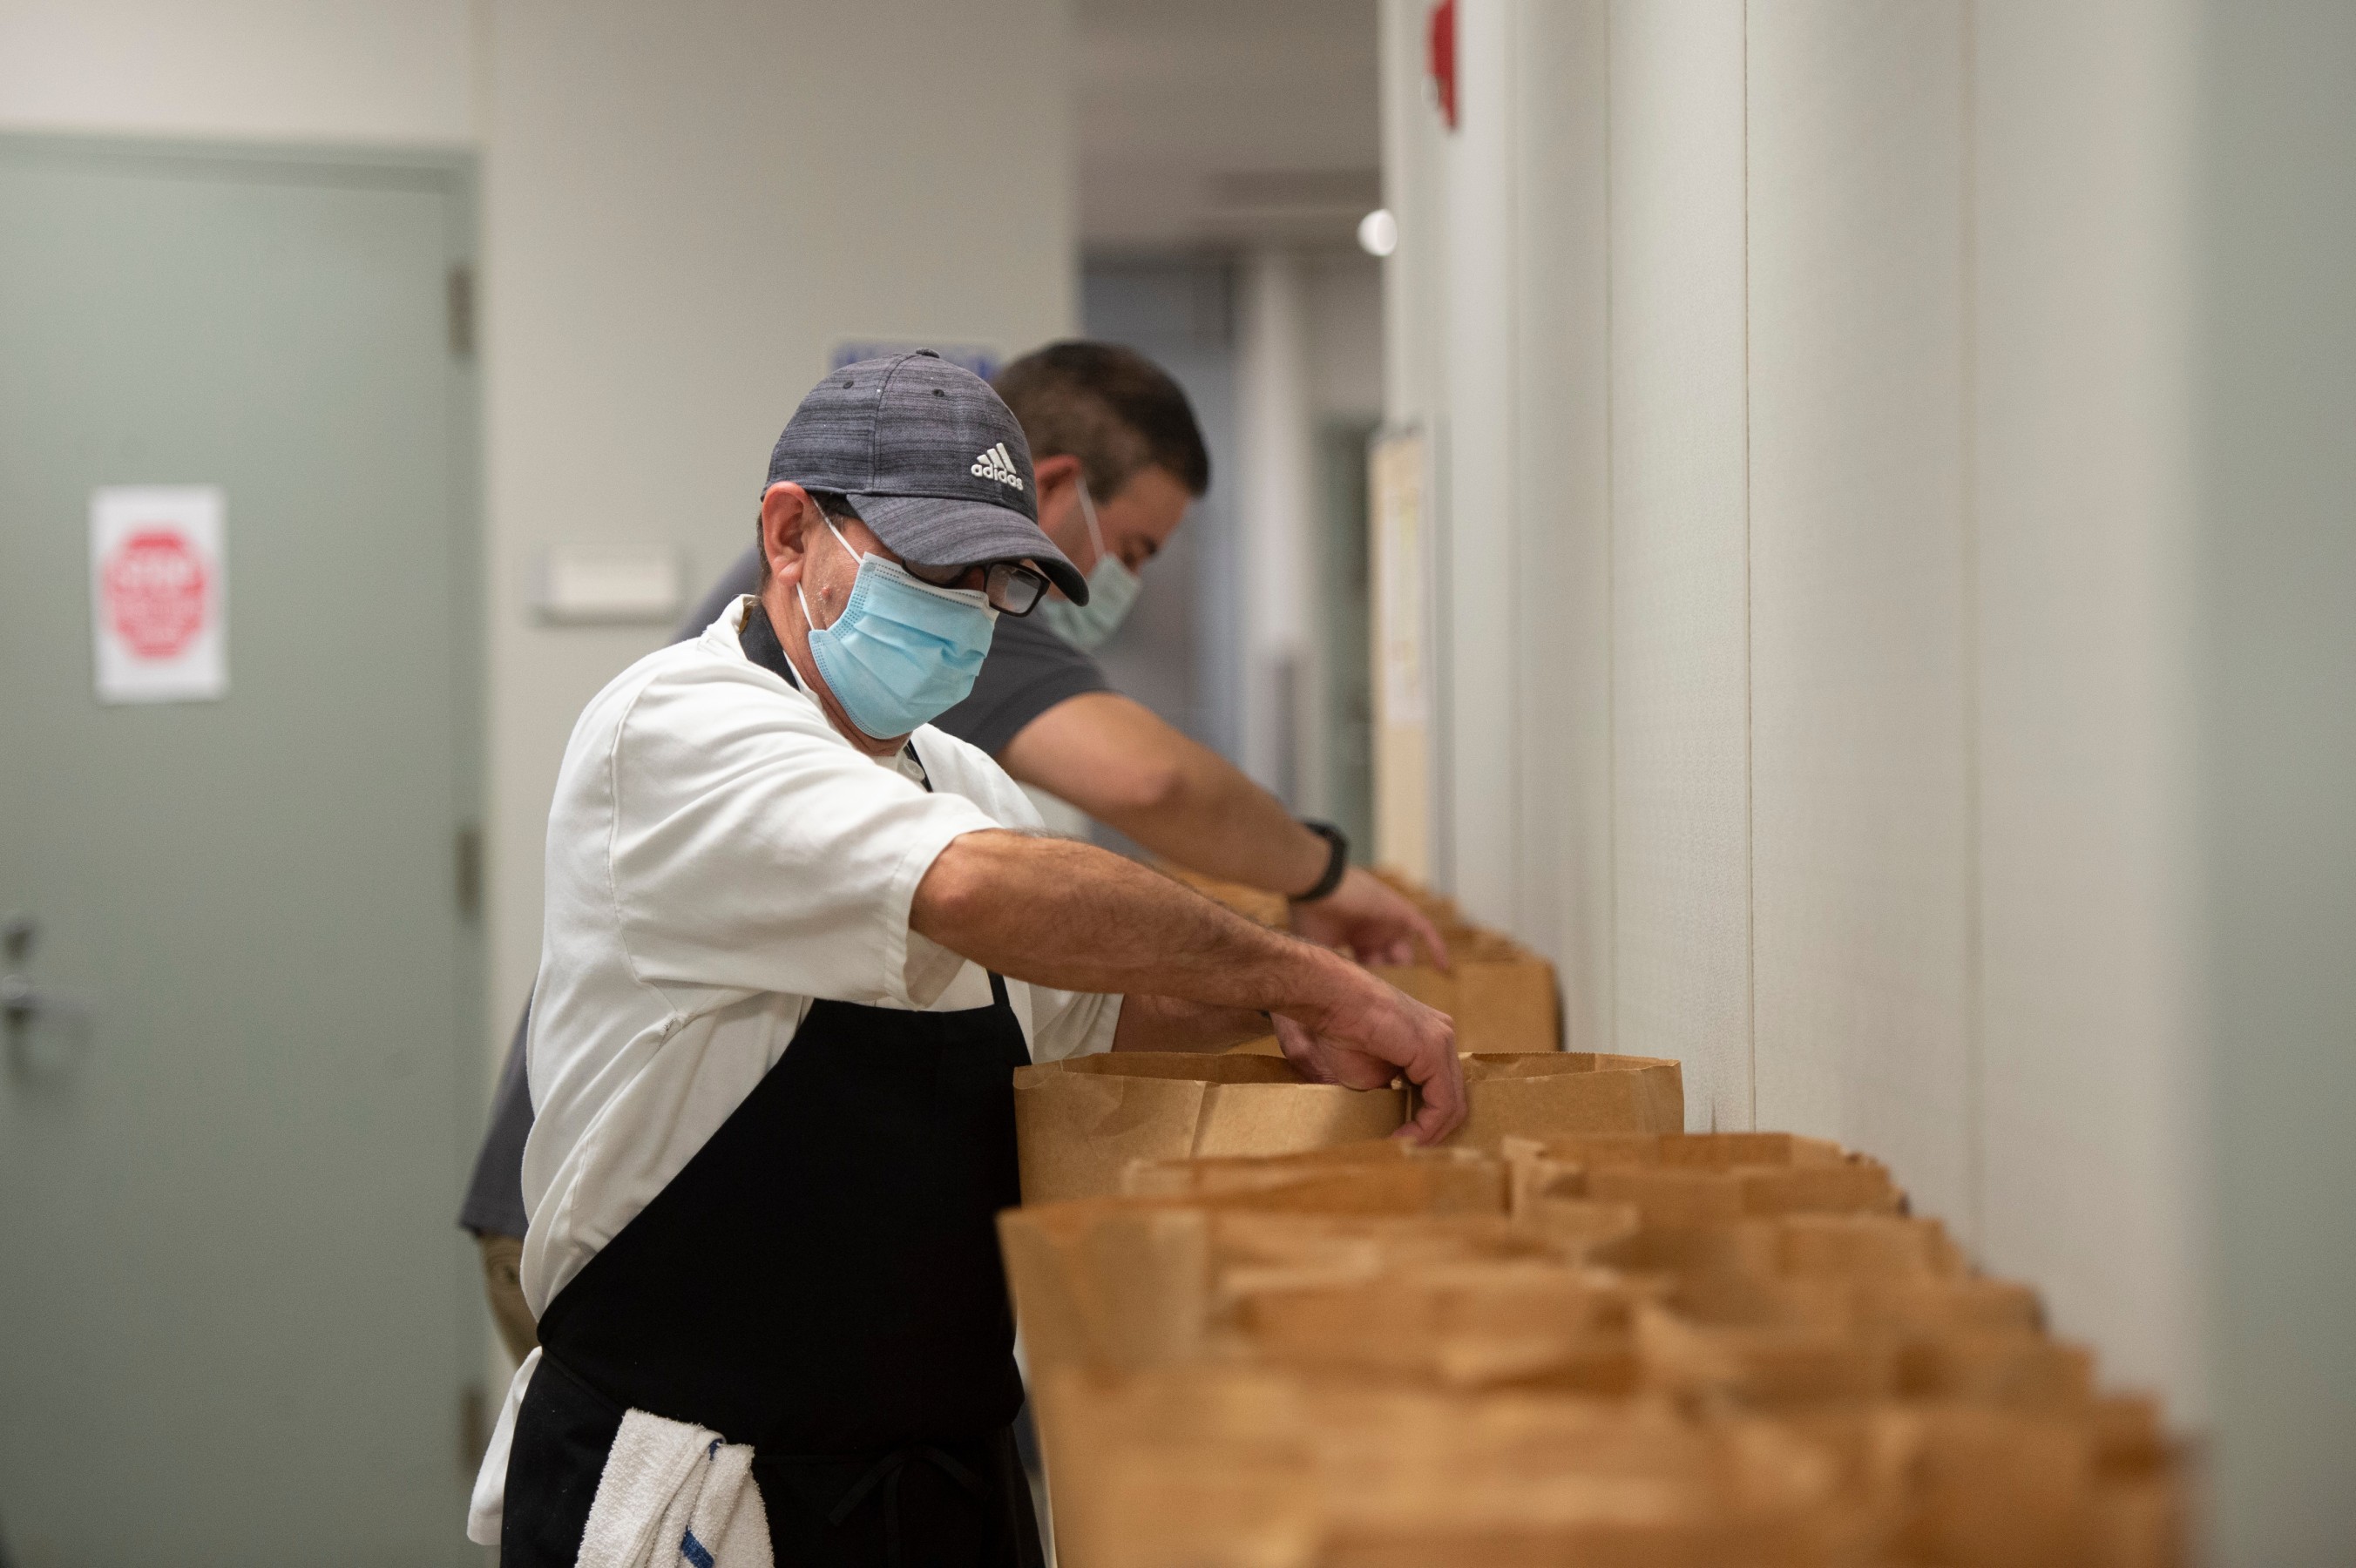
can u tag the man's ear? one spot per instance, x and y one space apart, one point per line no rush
785 509
1059 480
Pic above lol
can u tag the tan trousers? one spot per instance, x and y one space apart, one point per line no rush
503 1284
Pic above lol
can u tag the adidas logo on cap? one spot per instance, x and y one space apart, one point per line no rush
998 463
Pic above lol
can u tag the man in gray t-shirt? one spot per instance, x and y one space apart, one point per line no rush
1116 457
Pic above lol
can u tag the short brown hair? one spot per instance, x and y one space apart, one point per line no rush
1110 407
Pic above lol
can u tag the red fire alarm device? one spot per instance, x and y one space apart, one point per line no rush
1443 52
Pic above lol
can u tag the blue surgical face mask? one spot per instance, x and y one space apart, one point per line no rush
902 653
1112 588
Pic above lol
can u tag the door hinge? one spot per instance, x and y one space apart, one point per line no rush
470 871
462 311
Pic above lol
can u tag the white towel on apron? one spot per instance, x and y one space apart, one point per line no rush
672 1494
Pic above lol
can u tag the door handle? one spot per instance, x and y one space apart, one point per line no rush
19 1003
22 1005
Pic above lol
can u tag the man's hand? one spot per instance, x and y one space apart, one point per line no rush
1376 1033
1371 921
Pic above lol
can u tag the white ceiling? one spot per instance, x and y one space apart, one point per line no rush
1214 122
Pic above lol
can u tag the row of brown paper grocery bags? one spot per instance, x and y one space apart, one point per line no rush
1618 1348
1500 995
1080 1123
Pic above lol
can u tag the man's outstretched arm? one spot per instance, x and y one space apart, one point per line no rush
1119 762
1080 918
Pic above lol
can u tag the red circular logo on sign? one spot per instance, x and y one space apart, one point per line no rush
156 594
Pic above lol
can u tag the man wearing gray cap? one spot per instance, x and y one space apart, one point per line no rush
797 942
1117 459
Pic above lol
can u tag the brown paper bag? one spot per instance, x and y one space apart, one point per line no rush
1576 1229
1988 1488
1414 1480
1563 1093
1969 1304
1208 1469
1742 1250
1680 1196
1457 1180
1249 1249
2016 1369
1421 1188
1126 1283
1975 1487
1596 1151
1501 997
1859 1246
2141 1487
1106 1283
1763 1365
1079 1123
1462 1324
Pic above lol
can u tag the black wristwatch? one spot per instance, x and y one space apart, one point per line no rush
1337 862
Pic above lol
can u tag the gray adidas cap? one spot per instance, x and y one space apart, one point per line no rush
931 459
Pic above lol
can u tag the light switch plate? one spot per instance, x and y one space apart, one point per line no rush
607 584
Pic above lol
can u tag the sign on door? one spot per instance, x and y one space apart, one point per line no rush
159 593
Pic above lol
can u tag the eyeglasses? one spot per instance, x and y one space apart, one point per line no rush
1012 588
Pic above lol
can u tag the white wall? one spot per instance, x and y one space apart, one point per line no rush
1810 380
2081 494
1680 518
684 209
281 69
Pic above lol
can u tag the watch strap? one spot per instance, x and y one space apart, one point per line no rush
1337 862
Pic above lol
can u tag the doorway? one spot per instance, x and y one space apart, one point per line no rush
243 1070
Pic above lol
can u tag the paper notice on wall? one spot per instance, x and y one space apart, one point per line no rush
1397 501
159 593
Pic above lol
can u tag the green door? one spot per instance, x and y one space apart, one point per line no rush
235 1319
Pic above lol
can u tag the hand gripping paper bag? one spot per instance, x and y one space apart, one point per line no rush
1501 996
1501 1005
1079 1123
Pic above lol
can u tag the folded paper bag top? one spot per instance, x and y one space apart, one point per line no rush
1079 1123
1564 1093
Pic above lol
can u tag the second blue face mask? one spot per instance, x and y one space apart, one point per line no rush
902 653
1112 588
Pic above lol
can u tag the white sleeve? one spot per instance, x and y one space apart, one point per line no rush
752 850
1071 1023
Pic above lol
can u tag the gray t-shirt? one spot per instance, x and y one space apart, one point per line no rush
1029 670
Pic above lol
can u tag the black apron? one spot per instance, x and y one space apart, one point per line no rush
823 1281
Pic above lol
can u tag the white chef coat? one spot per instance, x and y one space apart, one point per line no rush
718 858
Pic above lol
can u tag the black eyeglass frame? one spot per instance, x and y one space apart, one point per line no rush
1004 583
